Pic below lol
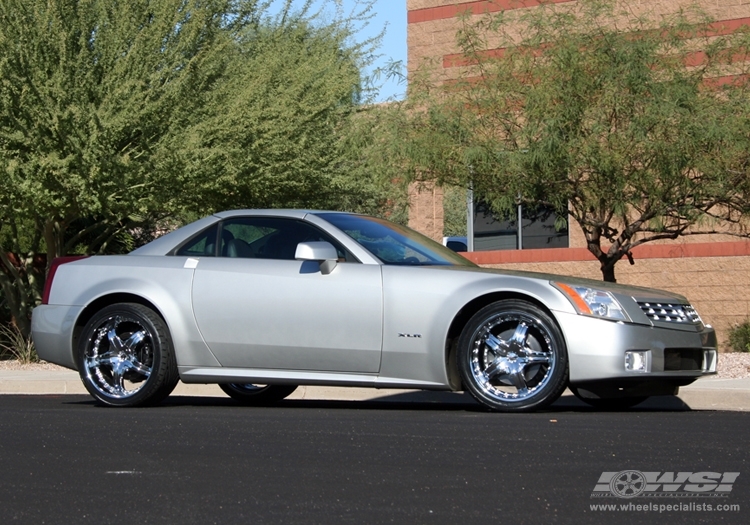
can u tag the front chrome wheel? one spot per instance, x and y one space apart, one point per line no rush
125 356
512 357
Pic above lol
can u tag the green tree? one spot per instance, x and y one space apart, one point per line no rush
121 118
610 118
89 91
274 131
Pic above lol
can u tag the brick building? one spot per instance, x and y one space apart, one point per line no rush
712 270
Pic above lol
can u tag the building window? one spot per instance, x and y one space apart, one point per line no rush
492 232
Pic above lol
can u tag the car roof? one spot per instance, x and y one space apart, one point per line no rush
167 243
296 214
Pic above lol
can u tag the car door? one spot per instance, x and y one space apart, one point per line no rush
257 307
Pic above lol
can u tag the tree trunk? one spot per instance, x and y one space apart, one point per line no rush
51 238
608 271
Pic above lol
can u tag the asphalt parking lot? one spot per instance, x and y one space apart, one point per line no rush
207 460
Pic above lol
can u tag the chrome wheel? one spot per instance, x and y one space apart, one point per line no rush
252 394
512 356
120 357
125 356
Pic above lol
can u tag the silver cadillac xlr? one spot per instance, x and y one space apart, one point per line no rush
261 301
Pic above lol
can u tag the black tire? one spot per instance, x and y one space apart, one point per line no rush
250 394
609 403
512 357
125 356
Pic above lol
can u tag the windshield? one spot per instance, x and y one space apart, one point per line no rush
394 244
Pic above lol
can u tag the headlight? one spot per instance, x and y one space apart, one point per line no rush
590 301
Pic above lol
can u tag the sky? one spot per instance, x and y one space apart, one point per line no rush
391 15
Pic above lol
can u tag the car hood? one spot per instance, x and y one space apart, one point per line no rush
637 292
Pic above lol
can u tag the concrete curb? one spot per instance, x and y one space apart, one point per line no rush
704 394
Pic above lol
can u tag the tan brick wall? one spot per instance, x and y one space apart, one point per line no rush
412 5
426 210
718 287
576 238
433 39
430 40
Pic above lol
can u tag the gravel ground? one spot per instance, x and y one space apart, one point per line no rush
734 365
731 366
12 364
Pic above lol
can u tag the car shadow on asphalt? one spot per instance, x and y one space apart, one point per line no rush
417 401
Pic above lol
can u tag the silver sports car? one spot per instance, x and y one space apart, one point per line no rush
260 301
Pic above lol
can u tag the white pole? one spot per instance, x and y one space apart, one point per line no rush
470 218
520 228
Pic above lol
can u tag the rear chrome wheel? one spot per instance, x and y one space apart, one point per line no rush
125 356
251 394
512 357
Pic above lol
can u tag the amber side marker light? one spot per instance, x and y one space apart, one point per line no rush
593 301
573 296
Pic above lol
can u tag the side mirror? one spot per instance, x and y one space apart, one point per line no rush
320 251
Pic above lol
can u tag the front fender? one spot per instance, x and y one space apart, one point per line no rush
420 304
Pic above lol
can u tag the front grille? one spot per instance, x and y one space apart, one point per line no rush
683 359
670 313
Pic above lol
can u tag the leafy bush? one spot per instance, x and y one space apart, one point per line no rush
14 345
739 337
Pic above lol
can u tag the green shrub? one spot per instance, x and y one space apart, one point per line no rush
14 345
739 337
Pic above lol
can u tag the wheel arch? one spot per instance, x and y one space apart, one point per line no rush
463 316
108 300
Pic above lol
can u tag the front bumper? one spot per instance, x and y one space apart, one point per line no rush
597 350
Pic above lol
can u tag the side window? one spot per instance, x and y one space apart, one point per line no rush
271 238
201 245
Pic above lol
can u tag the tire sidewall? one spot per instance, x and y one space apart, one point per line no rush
556 384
